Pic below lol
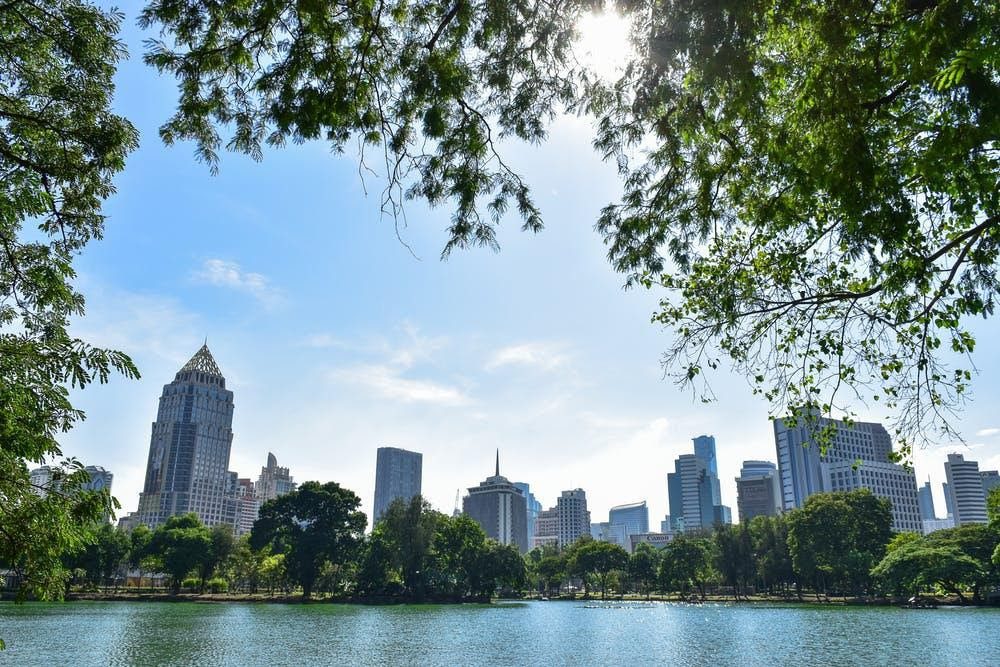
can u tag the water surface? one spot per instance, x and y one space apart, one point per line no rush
557 633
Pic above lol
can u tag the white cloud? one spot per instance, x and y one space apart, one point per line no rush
987 432
543 356
388 382
222 273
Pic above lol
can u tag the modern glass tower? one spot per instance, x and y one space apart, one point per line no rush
188 464
397 475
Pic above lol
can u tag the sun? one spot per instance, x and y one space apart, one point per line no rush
603 44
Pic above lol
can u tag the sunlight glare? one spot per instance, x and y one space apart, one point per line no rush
603 44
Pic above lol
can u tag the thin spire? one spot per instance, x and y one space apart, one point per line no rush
498 461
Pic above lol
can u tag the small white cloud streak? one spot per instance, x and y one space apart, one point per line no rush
987 432
222 273
543 356
387 382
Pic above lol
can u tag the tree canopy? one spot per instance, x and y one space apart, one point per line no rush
812 184
313 525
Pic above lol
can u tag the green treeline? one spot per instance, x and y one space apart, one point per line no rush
312 542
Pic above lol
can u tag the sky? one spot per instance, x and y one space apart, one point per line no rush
336 338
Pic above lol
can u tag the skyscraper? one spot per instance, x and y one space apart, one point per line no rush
857 458
758 492
694 491
187 469
397 475
574 518
274 481
991 480
500 508
926 500
966 487
533 508
247 505
626 520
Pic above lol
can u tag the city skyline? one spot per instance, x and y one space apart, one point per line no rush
338 338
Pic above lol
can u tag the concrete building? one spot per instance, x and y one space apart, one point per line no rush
609 532
41 479
693 489
949 505
991 480
966 487
274 481
397 475
533 508
633 517
500 508
758 492
658 540
925 498
857 457
930 525
884 480
546 528
188 465
574 519
247 506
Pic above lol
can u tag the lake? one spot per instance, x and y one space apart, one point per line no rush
560 633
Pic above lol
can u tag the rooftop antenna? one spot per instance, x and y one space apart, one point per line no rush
458 510
498 461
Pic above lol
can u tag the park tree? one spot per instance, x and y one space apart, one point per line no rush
978 542
835 539
315 524
686 562
407 530
914 565
812 187
221 546
601 559
734 556
181 545
642 567
551 569
769 536
60 148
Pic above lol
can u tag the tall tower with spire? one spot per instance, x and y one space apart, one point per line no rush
187 469
500 508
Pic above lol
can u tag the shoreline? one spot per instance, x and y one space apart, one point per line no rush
297 599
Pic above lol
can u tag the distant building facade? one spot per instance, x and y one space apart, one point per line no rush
500 509
991 480
574 518
188 465
857 457
274 481
925 498
965 484
658 540
533 507
397 476
693 489
758 492
605 531
247 506
546 528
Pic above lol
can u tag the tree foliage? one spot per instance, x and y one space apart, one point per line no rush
313 525
60 147
813 184
181 544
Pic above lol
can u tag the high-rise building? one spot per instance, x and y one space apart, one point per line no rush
188 465
949 504
500 508
966 487
546 528
857 457
397 476
533 508
926 500
608 532
274 481
247 505
991 480
634 518
693 489
758 492
574 519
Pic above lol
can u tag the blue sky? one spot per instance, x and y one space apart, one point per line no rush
336 340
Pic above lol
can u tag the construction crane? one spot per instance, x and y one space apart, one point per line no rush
458 500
